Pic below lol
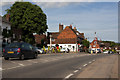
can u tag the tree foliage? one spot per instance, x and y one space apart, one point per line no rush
112 44
85 43
28 17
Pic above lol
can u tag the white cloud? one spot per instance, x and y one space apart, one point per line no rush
51 4
62 0
75 0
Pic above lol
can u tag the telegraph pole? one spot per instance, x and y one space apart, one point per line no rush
95 43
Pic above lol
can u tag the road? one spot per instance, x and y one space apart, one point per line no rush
48 65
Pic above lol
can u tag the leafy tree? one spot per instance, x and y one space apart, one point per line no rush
112 44
85 43
28 17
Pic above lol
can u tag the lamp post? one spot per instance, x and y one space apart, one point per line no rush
50 41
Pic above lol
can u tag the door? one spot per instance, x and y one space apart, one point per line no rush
27 50
32 52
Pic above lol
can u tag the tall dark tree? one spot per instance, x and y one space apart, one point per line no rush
28 17
85 43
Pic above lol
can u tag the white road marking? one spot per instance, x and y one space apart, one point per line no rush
32 61
14 67
90 62
21 64
76 71
68 76
85 65
1 69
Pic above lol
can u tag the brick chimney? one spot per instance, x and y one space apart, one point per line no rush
71 26
75 29
7 17
60 27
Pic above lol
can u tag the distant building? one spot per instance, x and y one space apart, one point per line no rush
39 38
67 38
4 24
95 45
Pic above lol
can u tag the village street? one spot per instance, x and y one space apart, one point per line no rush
63 66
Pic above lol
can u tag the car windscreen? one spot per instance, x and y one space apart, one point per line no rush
13 45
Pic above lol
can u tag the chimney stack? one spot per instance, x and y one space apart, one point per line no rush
75 29
70 26
60 27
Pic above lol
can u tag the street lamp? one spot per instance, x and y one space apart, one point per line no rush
50 41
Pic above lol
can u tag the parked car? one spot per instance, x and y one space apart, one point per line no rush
109 52
19 50
4 44
106 52
65 50
98 51
39 50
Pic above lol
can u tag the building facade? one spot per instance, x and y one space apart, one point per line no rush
4 24
95 46
67 38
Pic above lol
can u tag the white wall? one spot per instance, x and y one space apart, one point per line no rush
69 46
4 25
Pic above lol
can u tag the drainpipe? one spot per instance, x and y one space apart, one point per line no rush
76 47
50 41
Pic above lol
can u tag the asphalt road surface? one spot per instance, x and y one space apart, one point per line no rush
48 65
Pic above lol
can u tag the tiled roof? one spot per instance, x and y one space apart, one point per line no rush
66 36
54 34
96 44
69 36
66 41
67 33
38 38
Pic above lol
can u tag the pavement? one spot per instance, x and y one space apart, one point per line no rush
106 67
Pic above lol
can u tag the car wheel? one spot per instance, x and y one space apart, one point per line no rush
35 55
22 57
6 58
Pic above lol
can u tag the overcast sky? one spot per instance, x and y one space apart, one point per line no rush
89 16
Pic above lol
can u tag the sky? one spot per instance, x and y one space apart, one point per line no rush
88 16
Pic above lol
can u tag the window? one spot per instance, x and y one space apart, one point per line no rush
94 46
13 45
69 46
27 46
95 42
53 39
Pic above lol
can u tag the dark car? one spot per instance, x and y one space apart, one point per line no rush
19 50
